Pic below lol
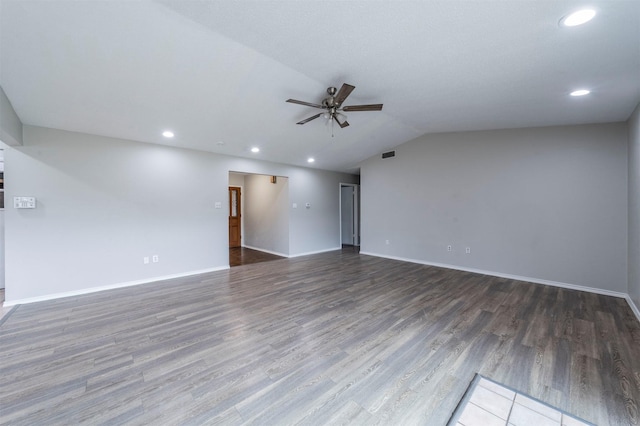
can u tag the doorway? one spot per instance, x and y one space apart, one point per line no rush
349 214
258 217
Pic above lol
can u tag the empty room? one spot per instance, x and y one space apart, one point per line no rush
320 212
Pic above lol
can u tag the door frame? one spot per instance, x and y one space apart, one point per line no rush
356 212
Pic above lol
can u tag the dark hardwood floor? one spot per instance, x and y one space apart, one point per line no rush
333 338
245 256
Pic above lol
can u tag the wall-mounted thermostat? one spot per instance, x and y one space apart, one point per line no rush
24 202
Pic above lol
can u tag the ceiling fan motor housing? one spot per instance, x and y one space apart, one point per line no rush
330 101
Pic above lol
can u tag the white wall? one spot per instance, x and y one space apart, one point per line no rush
266 213
634 207
104 204
10 124
546 203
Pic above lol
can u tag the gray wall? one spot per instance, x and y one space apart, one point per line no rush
10 134
236 179
10 124
634 207
104 204
545 203
266 213
1 248
318 225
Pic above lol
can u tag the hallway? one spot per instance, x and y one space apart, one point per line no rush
245 256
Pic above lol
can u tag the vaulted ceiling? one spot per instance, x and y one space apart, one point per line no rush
217 73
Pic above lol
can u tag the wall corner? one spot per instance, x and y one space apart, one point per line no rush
10 124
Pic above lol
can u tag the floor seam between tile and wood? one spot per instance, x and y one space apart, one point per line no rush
530 411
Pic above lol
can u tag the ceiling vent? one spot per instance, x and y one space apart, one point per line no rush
388 154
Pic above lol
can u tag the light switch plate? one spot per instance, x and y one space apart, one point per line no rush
24 202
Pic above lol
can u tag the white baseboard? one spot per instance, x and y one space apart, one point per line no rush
509 276
293 255
633 306
109 287
316 252
266 251
53 296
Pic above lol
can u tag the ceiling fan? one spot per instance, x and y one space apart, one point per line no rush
332 106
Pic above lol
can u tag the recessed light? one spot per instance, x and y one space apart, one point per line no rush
310 160
167 134
580 92
578 18
255 149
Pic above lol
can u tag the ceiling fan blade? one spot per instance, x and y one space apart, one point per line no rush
372 107
306 120
344 91
342 125
293 101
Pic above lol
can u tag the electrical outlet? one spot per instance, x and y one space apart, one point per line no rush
467 250
448 248
145 260
155 258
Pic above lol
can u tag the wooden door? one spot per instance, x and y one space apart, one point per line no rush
235 216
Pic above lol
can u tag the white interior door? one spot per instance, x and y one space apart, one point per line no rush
349 215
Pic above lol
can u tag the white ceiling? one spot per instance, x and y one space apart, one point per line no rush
220 71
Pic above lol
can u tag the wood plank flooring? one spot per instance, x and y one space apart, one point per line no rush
333 338
245 256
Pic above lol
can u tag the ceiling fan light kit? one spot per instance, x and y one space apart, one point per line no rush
332 106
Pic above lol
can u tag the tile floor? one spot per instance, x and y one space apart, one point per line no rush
488 403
